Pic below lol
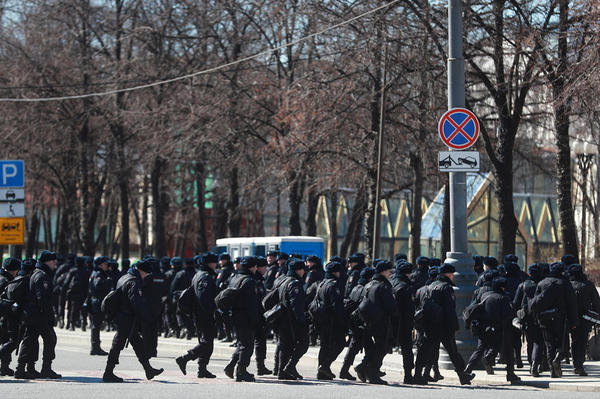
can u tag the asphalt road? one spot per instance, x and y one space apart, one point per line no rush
82 379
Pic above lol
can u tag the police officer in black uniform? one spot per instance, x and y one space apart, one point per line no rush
533 332
59 293
8 322
293 325
332 332
442 293
496 322
100 285
156 289
427 358
380 312
357 327
587 299
132 321
260 335
312 278
420 275
204 284
39 319
555 307
489 263
356 262
76 288
170 307
272 269
245 318
404 293
226 270
181 281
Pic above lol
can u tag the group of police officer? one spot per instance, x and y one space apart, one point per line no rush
300 302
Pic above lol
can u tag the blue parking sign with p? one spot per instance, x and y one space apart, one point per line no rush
12 174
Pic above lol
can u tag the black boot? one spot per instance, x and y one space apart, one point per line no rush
535 370
361 372
31 372
418 377
230 368
487 365
374 378
20 373
512 377
151 372
97 350
47 371
5 370
465 379
182 362
109 376
261 369
345 372
243 376
204 373
325 373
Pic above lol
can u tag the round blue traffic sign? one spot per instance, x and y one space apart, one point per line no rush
459 128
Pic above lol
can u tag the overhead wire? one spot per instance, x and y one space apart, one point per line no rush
202 72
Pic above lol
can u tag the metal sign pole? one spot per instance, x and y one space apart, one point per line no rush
459 256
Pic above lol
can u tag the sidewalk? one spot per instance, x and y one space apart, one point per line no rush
392 364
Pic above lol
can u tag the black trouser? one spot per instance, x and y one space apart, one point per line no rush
127 329
579 338
406 344
245 344
74 311
356 344
377 345
9 337
206 332
260 342
516 342
96 320
429 350
333 341
293 341
535 344
553 332
169 318
28 353
490 343
61 301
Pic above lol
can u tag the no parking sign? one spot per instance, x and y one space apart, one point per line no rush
459 128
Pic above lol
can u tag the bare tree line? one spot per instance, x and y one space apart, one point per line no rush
293 124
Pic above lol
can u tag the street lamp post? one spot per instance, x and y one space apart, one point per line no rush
584 153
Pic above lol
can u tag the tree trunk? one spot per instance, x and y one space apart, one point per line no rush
356 218
311 212
294 200
158 208
201 240
32 234
144 219
333 228
445 238
507 222
417 212
568 228
219 218
233 204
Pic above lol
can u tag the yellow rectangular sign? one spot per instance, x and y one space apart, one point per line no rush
12 231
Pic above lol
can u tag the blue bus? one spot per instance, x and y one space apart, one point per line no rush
259 246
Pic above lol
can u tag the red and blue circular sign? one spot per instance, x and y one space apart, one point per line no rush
459 128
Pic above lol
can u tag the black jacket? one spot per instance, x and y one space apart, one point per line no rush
333 299
205 289
134 303
379 295
498 310
40 294
182 280
5 278
554 292
352 278
442 292
314 276
586 295
294 298
403 293
245 313
224 276
271 275
419 277
99 286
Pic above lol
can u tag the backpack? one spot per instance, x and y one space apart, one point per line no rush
17 291
270 300
227 299
430 314
473 312
317 309
111 303
186 301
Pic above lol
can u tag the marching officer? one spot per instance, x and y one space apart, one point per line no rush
356 262
9 322
170 307
100 285
587 299
204 284
403 293
39 320
419 277
132 321
380 311
245 318
181 281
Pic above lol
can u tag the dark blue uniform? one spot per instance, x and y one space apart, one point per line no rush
99 286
